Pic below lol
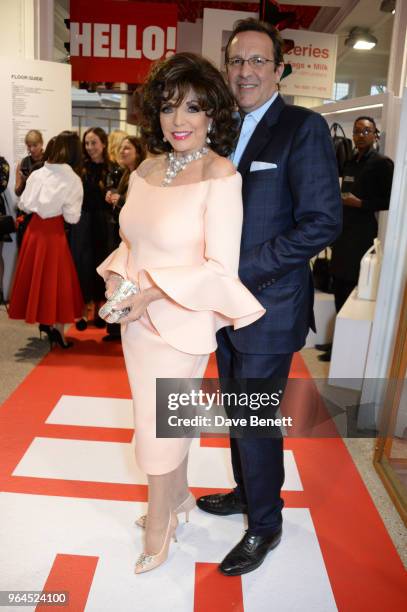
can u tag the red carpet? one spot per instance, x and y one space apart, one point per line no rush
364 570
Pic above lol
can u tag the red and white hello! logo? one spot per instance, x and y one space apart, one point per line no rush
113 40
105 40
309 51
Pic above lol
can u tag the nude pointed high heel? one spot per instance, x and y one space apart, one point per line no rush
145 562
187 505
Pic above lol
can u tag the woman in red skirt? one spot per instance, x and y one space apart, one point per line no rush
46 288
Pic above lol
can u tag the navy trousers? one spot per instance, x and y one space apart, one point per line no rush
258 465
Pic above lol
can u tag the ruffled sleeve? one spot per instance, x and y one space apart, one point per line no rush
211 290
117 262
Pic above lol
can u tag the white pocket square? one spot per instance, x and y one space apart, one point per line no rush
259 165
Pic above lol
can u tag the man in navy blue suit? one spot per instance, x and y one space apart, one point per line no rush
292 210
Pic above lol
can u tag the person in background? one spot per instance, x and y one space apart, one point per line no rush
4 177
89 239
46 287
114 142
23 218
45 156
114 176
34 143
131 154
366 189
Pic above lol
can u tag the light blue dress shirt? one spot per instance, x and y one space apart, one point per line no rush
248 126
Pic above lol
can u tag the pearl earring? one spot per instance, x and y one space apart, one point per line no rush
164 139
207 139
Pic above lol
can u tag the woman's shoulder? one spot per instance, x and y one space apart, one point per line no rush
27 162
72 174
61 172
218 167
150 165
378 159
95 167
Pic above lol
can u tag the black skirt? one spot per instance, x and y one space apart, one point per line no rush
91 242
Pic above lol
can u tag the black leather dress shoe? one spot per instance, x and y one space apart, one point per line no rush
81 325
325 356
99 322
249 554
112 338
324 347
221 504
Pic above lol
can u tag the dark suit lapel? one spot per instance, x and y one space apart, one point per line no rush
261 135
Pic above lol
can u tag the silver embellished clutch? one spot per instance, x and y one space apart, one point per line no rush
123 291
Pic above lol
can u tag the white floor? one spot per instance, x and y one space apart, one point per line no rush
35 528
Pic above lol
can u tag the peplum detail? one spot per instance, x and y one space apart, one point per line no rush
116 262
203 288
201 301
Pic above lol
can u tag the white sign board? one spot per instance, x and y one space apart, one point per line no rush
313 62
217 27
35 95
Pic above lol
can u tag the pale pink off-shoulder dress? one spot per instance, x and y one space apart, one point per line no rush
186 240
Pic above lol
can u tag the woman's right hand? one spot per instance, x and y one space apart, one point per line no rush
112 283
20 180
112 198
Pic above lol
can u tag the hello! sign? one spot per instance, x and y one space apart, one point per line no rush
114 40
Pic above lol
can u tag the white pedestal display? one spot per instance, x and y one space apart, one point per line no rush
351 342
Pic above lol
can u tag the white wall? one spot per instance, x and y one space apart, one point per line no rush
17 33
189 36
35 95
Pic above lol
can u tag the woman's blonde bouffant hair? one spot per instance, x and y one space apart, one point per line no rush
115 139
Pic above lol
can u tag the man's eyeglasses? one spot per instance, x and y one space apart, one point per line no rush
254 62
364 132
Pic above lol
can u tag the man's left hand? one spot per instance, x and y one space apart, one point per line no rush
352 200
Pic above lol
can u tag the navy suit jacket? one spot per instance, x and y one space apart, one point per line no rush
291 213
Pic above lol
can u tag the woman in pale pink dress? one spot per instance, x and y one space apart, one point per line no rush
181 230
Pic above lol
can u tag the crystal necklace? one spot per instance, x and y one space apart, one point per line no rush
176 164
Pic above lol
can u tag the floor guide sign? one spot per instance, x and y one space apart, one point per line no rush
36 95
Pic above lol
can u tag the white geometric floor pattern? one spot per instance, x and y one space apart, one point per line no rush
34 528
114 461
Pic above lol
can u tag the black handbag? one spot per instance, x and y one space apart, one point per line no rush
342 145
321 271
7 223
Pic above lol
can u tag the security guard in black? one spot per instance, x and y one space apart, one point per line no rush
366 189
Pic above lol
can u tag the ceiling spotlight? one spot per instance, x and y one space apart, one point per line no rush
388 6
360 38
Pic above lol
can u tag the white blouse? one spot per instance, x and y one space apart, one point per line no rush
53 190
